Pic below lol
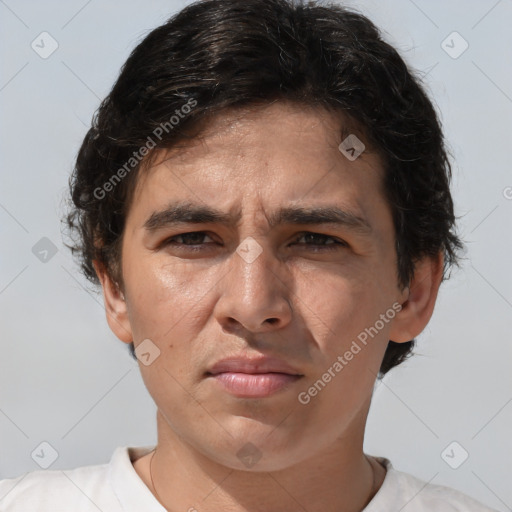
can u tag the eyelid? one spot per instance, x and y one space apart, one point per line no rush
332 237
170 238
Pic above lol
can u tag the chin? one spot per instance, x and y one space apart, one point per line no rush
258 447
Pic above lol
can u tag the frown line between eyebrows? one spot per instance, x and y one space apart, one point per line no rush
179 213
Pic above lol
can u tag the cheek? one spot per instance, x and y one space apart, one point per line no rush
343 307
342 297
163 299
337 311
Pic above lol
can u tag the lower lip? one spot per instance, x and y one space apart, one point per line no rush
254 385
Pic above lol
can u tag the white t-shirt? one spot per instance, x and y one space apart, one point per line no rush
116 487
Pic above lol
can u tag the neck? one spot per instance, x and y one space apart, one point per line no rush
340 478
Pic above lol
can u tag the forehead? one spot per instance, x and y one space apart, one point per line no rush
283 121
277 152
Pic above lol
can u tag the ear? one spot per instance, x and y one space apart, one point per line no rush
115 305
420 298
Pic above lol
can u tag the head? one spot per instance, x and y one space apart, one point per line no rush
229 117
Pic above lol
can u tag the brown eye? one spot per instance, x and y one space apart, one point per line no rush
187 240
318 239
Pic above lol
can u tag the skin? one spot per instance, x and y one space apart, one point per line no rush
200 307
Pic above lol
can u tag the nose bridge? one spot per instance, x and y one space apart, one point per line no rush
254 266
254 293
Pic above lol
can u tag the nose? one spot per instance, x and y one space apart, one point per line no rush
254 294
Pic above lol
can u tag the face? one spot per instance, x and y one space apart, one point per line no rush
300 289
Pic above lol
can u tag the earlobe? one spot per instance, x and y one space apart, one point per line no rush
420 300
115 305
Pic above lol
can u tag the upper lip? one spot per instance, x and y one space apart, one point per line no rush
252 365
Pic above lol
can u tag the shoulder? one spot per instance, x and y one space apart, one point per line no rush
80 489
410 494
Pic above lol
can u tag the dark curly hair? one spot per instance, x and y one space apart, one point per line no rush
224 54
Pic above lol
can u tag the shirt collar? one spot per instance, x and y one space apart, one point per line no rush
388 495
130 490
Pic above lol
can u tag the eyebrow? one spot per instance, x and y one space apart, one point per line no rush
189 213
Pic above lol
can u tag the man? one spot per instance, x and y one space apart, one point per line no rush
264 198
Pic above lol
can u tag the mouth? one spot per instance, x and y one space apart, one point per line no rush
253 378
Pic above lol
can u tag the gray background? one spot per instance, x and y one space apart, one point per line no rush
64 377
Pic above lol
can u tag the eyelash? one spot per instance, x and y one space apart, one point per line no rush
319 247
